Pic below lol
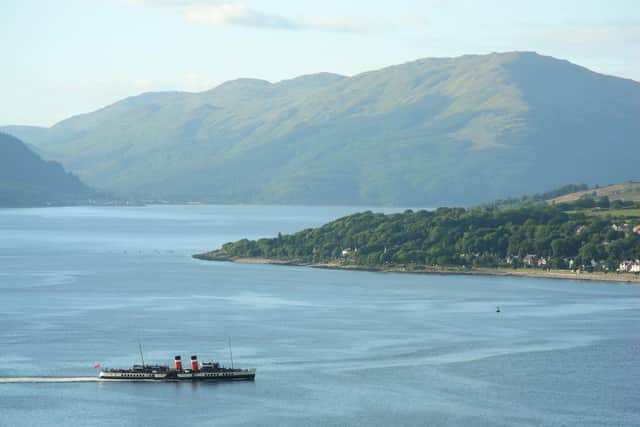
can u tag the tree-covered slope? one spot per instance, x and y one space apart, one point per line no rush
27 180
448 130
537 235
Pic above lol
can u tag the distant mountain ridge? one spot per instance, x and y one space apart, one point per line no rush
433 131
27 180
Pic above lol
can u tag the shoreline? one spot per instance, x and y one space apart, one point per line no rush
621 278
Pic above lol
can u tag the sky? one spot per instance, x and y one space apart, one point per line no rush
66 57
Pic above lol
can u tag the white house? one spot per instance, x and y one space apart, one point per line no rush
629 266
622 227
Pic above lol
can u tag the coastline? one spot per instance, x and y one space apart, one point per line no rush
620 278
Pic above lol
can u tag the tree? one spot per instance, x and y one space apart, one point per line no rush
603 202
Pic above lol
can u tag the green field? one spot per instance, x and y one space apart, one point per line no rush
629 191
614 213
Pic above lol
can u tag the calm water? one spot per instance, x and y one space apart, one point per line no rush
78 286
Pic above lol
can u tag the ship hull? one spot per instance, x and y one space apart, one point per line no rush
244 375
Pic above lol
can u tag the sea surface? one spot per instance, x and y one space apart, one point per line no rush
80 286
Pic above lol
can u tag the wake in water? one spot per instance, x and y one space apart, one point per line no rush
5 380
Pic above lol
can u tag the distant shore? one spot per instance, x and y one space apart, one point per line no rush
522 272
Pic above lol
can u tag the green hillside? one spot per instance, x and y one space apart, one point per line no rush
629 191
434 131
559 236
27 180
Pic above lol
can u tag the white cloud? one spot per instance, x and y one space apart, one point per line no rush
239 14
340 25
232 13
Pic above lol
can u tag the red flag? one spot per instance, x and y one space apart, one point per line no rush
97 366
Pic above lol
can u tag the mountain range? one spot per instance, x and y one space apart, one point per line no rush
459 130
27 180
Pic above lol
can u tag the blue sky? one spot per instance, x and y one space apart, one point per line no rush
66 57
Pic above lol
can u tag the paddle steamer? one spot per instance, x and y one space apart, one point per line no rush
207 371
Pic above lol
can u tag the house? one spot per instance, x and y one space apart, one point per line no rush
629 266
621 227
542 262
581 229
624 266
530 260
346 252
636 229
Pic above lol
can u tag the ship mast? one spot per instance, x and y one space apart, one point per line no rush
141 356
230 352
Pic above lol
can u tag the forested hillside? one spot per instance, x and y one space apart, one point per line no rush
27 180
593 235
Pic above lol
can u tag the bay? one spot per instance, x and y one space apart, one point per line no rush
81 285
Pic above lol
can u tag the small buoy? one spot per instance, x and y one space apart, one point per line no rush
497 309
